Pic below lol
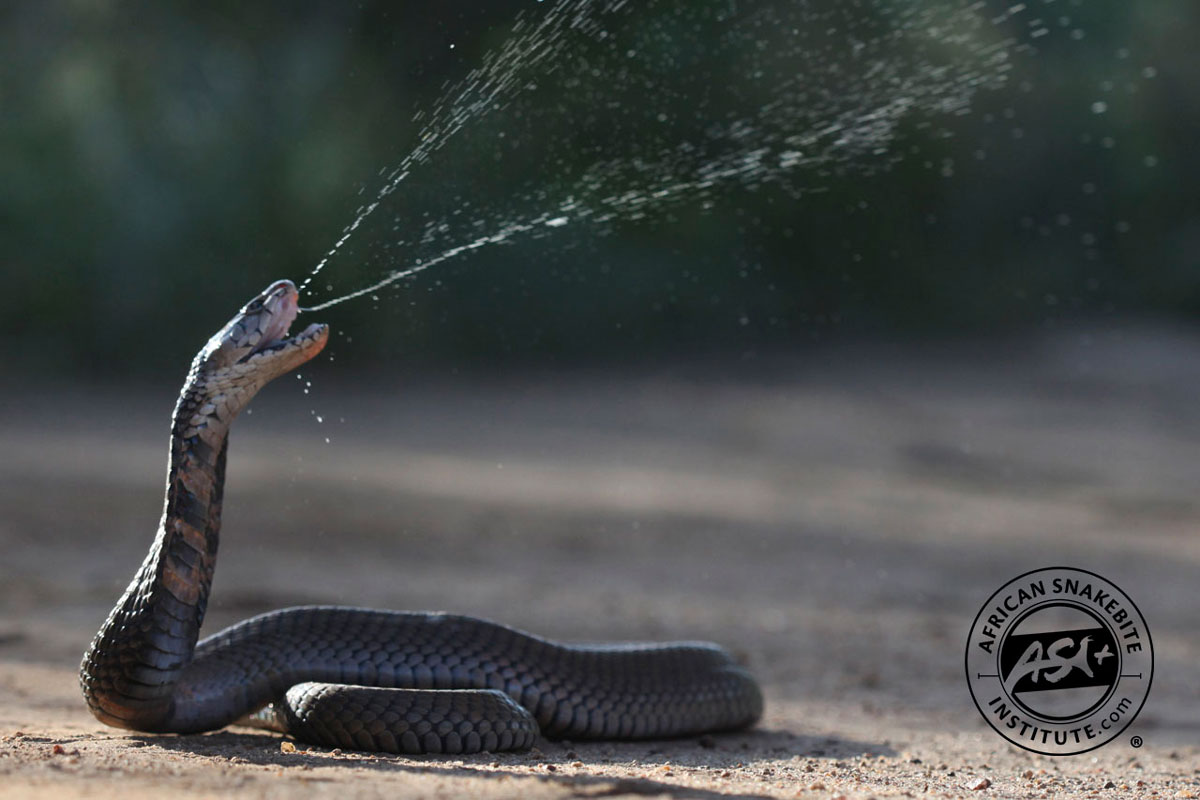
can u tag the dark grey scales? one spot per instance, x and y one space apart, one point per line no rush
356 678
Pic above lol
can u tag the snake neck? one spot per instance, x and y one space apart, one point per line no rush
130 671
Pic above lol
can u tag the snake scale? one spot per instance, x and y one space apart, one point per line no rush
351 677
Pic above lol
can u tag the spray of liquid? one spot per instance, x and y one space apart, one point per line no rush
825 85
495 82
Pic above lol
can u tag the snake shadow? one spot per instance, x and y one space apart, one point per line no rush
552 760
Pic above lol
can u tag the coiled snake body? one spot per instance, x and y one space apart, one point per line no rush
349 677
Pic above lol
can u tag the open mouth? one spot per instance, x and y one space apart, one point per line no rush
281 305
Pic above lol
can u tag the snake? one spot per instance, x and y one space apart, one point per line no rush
364 679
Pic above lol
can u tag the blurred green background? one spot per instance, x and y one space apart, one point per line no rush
162 162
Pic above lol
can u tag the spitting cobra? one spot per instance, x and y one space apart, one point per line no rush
352 677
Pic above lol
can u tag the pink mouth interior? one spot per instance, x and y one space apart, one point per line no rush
283 301
285 309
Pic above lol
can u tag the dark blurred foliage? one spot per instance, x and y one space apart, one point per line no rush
161 162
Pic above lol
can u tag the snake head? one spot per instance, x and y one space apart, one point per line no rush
254 348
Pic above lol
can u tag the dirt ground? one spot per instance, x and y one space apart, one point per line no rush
836 517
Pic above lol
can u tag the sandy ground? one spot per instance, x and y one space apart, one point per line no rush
836 518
